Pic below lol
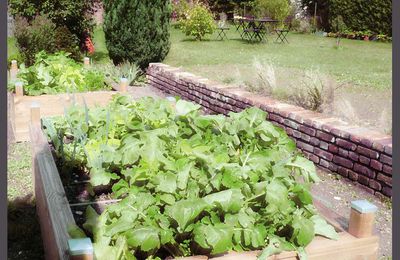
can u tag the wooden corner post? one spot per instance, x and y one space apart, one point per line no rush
362 218
123 85
80 249
19 89
14 69
35 113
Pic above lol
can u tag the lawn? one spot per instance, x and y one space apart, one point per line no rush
357 62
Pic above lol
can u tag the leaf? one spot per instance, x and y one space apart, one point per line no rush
322 228
306 167
303 232
165 182
218 237
145 238
75 232
183 107
101 177
276 245
229 200
185 211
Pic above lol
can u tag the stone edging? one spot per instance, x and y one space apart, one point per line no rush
357 153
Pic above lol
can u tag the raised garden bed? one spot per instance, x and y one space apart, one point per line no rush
62 203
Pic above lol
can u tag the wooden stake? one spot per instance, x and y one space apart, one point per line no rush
35 113
86 62
80 249
123 85
362 217
13 69
19 89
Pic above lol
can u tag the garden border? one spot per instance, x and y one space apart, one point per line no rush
359 154
55 216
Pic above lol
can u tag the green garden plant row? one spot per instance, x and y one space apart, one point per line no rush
190 184
57 73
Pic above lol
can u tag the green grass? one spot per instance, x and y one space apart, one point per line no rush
100 50
11 47
357 62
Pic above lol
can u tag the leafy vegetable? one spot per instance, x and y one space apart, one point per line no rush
57 73
189 183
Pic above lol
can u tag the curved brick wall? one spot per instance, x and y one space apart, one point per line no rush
356 153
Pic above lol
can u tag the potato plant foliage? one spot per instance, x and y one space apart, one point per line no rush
189 183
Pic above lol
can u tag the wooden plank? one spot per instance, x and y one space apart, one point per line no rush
52 205
10 119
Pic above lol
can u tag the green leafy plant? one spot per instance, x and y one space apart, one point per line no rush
74 15
57 73
275 9
41 34
199 22
189 183
137 30
124 70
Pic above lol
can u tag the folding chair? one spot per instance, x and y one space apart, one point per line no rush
281 33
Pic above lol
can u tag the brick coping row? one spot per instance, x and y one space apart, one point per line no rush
359 154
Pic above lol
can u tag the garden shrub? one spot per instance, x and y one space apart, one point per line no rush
137 30
76 15
200 22
43 35
275 9
359 15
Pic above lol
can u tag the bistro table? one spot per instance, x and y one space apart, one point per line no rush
253 28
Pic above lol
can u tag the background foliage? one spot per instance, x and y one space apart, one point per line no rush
199 22
75 15
137 31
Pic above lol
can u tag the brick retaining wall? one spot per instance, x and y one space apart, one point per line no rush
357 153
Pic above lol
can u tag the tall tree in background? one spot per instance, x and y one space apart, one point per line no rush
137 30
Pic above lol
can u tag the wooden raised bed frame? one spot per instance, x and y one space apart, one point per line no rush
55 216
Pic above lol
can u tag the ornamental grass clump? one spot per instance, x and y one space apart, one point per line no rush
189 183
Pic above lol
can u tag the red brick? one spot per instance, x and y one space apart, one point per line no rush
353 176
387 169
324 163
384 178
304 146
353 156
367 152
364 170
333 167
290 123
325 136
323 154
296 133
376 165
379 145
333 148
363 180
343 171
388 150
314 141
307 130
364 160
343 153
305 138
375 185
346 144
276 118
340 133
387 191
366 142
323 145
386 159
312 157
343 162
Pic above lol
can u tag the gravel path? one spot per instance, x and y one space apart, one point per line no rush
337 193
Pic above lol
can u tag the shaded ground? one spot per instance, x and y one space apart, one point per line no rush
24 239
337 193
